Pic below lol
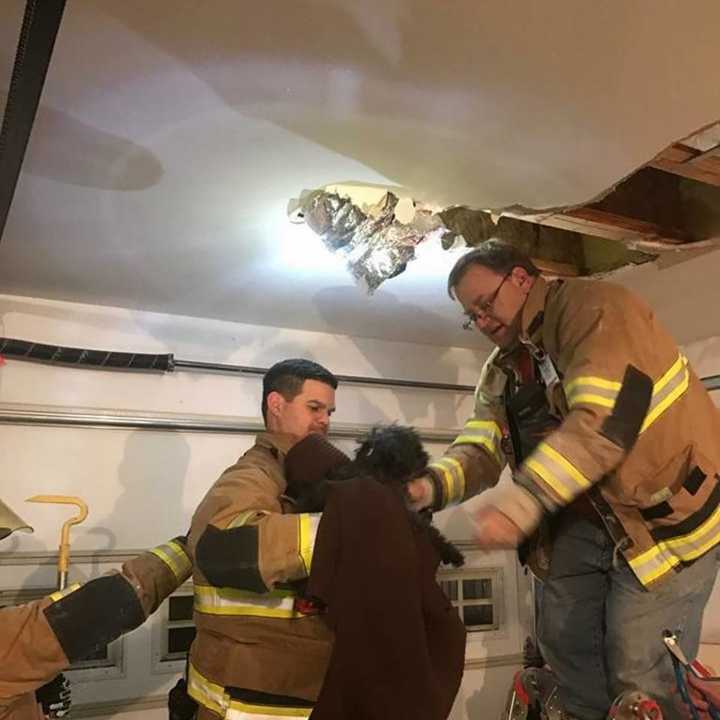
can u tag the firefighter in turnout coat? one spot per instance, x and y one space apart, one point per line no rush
259 651
40 639
614 446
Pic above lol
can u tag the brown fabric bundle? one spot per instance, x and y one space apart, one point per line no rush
308 464
399 647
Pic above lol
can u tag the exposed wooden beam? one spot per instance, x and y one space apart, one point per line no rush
602 223
688 162
648 206
713 152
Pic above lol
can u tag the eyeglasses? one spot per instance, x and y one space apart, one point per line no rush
484 308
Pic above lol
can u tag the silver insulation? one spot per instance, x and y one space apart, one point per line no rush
376 244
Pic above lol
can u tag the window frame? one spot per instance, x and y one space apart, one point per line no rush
163 661
496 601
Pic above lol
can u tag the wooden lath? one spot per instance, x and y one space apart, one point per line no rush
688 162
612 226
696 157
646 207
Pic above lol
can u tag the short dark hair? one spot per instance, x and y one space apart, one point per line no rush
496 255
287 378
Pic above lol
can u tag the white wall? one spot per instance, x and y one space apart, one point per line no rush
142 485
173 470
684 295
704 356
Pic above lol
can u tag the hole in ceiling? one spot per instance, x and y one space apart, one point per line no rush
670 205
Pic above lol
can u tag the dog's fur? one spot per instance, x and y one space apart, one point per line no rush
392 455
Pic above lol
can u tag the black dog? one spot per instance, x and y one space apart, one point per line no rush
391 454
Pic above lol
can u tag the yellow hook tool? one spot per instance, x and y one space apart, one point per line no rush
64 551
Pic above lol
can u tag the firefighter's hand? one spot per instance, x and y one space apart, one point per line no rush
420 493
54 697
496 531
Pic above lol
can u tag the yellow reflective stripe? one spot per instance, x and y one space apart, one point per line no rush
557 472
571 470
453 479
653 567
667 390
245 711
590 399
592 381
213 696
446 481
458 477
175 557
482 432
307 530
668 553
230 601
478 440
60 594
679 364
207 693
549 479
240 519
589 390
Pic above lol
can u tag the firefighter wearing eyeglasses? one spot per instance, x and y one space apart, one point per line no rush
613 445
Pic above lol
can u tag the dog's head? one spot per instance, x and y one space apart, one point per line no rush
391 454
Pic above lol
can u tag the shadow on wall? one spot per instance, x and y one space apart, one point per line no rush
152 476
483 693
148 511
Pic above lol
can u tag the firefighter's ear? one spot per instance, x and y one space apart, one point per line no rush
521 278
275 403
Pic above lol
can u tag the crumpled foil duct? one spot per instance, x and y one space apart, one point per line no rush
377 245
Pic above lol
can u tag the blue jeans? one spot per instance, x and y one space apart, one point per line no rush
601 631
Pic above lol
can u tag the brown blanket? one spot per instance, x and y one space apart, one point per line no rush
400 646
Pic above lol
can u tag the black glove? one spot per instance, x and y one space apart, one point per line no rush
55 697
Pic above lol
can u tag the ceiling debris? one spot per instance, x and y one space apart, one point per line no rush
672 204
555 251
376 244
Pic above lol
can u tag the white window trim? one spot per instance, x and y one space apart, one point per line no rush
495 574
162 663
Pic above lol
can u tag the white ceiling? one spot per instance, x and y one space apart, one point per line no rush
172 134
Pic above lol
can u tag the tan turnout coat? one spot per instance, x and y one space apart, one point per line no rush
254 640
30 653
659 501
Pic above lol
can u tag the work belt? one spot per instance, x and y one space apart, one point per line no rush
221 701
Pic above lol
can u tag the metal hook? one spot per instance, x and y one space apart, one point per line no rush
64 549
